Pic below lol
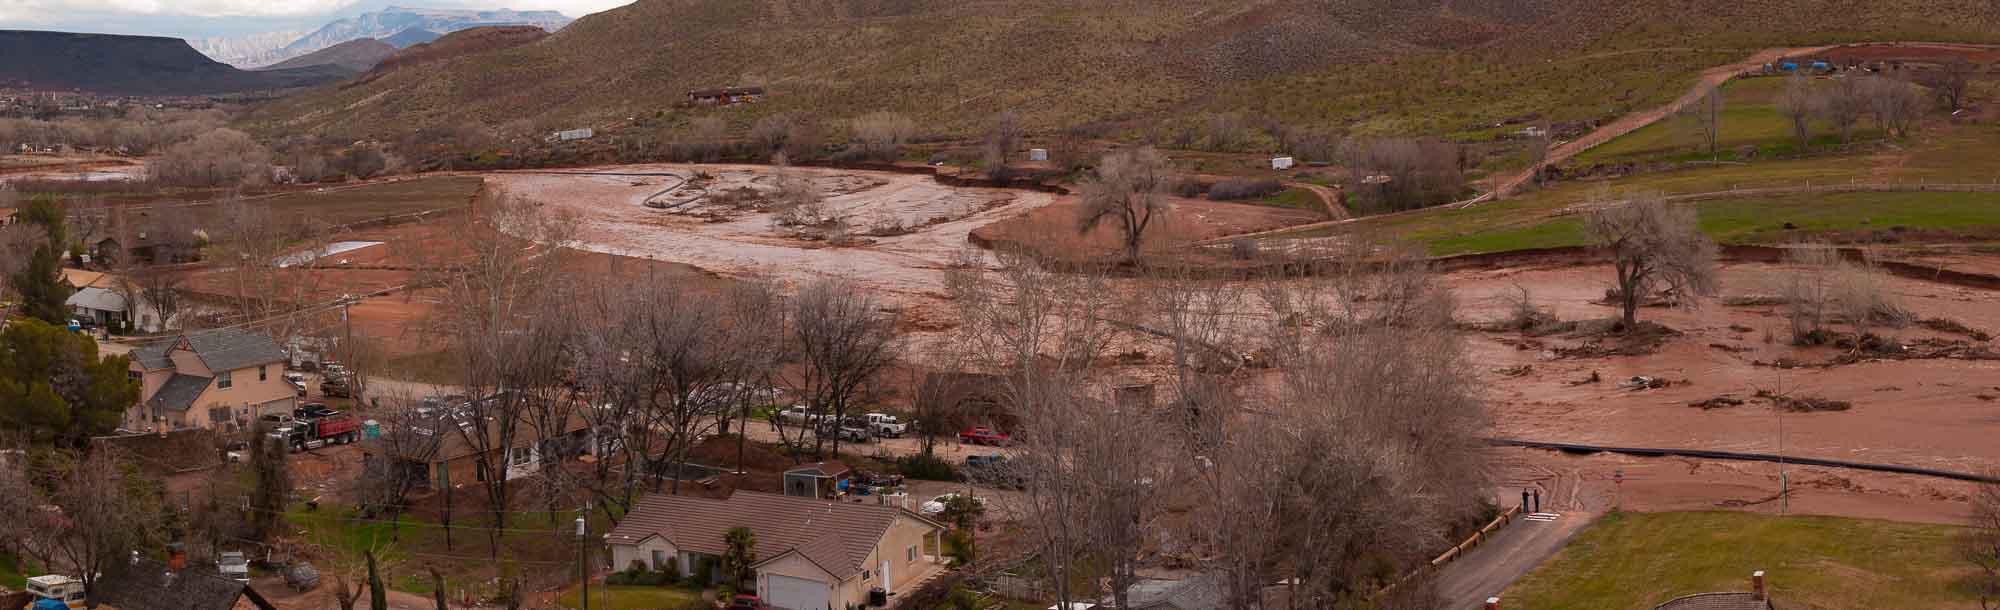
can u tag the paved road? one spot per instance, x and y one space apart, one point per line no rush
1506 557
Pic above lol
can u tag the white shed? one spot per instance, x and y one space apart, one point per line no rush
1282 163
1038 154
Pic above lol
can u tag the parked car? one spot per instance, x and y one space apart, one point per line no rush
234 566
983 436
937 505
748 602
336 387
884 425
298 383
850 430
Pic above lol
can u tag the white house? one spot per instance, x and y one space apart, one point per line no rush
811 554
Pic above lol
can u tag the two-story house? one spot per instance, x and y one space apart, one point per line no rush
220 379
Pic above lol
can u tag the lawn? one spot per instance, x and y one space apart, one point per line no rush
336 205
634 598
533 545
1749 118
1294 198
1761 220
1638 560
14 571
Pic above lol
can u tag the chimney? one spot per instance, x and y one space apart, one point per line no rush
1492 603
1757 585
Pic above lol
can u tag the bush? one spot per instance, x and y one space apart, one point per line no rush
958 546
1187 186
926 467
1244 188
704 572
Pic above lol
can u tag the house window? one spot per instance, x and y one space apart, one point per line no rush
865 576
910 556
264 373
659 560
521 455
224 380
218 414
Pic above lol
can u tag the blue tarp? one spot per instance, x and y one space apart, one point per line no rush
47 604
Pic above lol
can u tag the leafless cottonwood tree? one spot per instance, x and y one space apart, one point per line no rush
1842 105
1807 288
411 438
883 133
273 273
1656 249
1979 544
1002 137
1092 468
1898 109
108 509
1798 104
1129 191
1862 295
1366 451
1391 174
844 340
507 314
1951 81
1706 118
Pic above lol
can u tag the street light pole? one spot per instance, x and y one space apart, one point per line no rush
582 559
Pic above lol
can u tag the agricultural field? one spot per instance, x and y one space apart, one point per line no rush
1749 121
1637 560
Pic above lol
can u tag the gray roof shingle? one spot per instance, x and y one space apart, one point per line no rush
145 584
180 392
97 298
222 349
837 536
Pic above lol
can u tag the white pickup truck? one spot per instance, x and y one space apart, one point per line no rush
884 425
800 415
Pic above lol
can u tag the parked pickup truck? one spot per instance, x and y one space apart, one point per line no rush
315 432
983 436
851 430
798 415
884 425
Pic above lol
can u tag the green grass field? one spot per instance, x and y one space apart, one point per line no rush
1749 118
633 598
1763 220
1638 560
1296 198
533 543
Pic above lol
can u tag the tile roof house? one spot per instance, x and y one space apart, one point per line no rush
811 554
219 379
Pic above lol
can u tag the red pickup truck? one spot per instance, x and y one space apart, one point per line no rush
983 436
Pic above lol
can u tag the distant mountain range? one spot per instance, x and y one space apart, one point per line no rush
136 65
248 50
357 55
400 27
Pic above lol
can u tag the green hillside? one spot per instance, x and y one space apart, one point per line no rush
1434 66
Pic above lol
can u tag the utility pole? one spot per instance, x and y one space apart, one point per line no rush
582 559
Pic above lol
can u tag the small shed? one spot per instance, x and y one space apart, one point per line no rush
816 480
573 135
1038 154
1282 163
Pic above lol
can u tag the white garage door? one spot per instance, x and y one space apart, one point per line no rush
790 593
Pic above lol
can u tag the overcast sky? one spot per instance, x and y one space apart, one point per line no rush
201 18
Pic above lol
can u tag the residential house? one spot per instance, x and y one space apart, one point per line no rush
107 300
221 379
145 584
725 96
811 554
100 306
445 452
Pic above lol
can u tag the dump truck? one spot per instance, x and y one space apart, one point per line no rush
311 432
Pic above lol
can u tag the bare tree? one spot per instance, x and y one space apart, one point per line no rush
1862 294
1130 192
223 157
1807 288
396 465
1656 249
108 509
883 133
506 315
273 275
843 340
1979 544
1366 451
709 134
1842 105
1707 120
1798 104
1002 137
1951 81
1390 174
1897 108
